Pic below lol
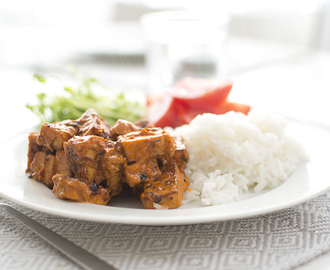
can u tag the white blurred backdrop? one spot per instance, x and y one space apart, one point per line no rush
44 31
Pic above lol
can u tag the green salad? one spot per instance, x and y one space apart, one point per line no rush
72 102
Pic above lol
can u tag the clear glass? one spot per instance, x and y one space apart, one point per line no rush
184 43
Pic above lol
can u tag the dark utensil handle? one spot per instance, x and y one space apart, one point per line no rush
80 256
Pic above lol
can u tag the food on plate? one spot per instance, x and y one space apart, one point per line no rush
69 188
87 160
232 153
72 102
231 148
189 98
166 189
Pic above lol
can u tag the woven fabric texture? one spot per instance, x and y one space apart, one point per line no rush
276 241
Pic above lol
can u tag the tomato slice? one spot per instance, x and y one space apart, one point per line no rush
227 106
189 98
201 94
188 115
164 111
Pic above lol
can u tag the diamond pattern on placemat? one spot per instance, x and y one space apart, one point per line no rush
276 241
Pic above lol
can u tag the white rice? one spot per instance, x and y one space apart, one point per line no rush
232 153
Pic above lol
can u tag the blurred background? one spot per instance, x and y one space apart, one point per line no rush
40 34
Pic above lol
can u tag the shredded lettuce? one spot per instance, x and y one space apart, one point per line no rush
71 103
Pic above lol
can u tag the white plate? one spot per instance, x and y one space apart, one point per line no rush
308 181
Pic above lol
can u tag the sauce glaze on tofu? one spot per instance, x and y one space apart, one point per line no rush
86 160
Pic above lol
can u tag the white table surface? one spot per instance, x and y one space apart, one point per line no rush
295 82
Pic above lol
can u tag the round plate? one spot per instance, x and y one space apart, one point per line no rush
310 179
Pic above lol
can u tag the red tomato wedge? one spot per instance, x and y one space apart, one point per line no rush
167 112
189 98
200 94
227 106
162 112
188 115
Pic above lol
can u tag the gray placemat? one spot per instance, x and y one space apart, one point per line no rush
281 240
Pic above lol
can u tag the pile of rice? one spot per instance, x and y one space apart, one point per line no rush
232 153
